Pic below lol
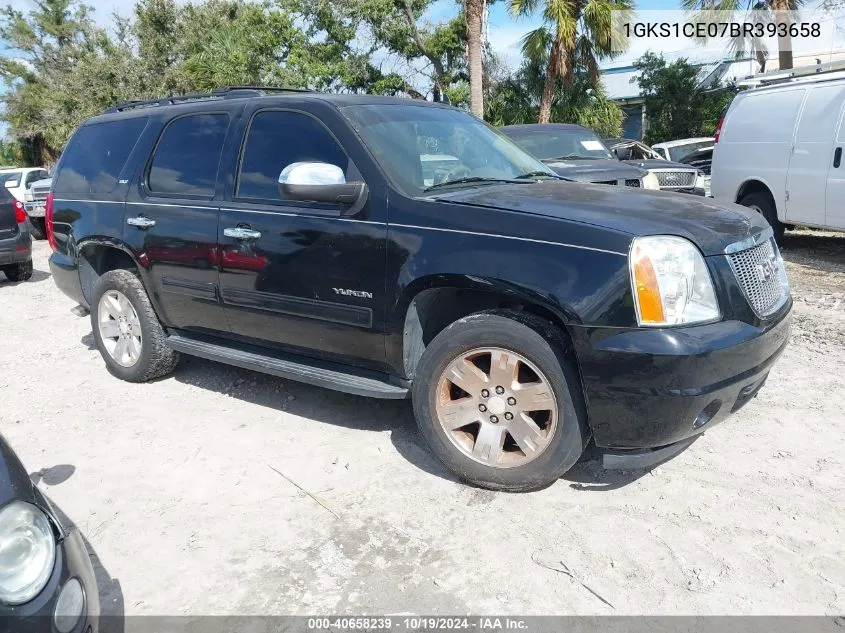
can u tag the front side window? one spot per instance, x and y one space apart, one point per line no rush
95 156
188 155
277 139
420 147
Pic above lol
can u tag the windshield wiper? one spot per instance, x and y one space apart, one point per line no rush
533 174
571 156
472 179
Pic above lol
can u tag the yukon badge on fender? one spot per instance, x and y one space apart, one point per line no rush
525 315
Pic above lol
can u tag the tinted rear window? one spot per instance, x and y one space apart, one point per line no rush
188 155
95 156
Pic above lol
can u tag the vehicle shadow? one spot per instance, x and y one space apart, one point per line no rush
368 414
815 249
112 606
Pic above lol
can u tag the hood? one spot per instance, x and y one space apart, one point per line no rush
656 163
710 225
14 480
594 169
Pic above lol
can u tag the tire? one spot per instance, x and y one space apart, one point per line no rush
37 228
19 272
507 334
152 357
763 204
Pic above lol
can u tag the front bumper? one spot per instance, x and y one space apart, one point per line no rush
18 249
648 388
35 209
36 616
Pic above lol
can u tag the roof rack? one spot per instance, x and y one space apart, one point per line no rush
228 92
805 73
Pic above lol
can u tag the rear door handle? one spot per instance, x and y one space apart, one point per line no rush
241 233
837 157
141 222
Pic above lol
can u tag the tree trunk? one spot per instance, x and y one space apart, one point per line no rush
551 82
474 10
782 17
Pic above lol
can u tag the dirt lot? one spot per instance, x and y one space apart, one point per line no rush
175 487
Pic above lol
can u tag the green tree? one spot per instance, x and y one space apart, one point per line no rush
575 34
676 105
516 99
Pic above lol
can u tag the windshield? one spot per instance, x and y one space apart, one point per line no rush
419 147
557 143
680 152
10 178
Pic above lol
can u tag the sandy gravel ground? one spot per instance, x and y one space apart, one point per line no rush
174 486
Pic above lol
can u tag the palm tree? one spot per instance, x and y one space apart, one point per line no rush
769 10
576 33
474 10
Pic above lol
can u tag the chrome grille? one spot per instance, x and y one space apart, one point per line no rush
675 178
762 277
39 192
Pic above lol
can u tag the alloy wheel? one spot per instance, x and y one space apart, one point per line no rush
496 407
120 329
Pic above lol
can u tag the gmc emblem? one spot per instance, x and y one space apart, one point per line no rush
767 269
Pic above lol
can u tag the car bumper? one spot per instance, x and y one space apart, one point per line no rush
16 250
66 276
648 388
35 210
36 616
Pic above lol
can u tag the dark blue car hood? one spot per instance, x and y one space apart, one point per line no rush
14 480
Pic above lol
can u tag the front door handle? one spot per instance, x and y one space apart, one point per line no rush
141 222
241 233
837 157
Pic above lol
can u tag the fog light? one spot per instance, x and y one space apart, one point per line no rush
707 414
69 606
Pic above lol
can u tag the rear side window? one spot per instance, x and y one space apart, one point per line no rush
188 155
95 156
277 139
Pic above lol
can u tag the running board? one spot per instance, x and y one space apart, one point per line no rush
291 367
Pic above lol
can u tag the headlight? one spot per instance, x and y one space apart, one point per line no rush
671 283
700 181
650 181
27 552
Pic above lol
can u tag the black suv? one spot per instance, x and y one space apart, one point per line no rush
396 248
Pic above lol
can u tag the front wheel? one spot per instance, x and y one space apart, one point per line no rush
127 332
499 404
763 204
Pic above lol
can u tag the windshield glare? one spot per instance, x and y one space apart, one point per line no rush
553 143
421 146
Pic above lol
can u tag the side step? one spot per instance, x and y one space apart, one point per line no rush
297 368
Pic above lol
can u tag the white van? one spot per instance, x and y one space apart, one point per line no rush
779 150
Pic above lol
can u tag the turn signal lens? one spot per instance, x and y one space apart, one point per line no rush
671 282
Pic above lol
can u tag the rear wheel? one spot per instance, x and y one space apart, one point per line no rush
127 332
19 272
498 404
763 204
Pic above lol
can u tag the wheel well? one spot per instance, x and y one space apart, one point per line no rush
96 260
433 310
753 186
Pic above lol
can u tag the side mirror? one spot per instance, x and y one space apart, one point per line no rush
322 182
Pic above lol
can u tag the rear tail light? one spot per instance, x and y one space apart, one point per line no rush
48 221
718 129
20 214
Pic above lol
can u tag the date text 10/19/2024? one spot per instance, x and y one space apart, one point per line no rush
414 623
